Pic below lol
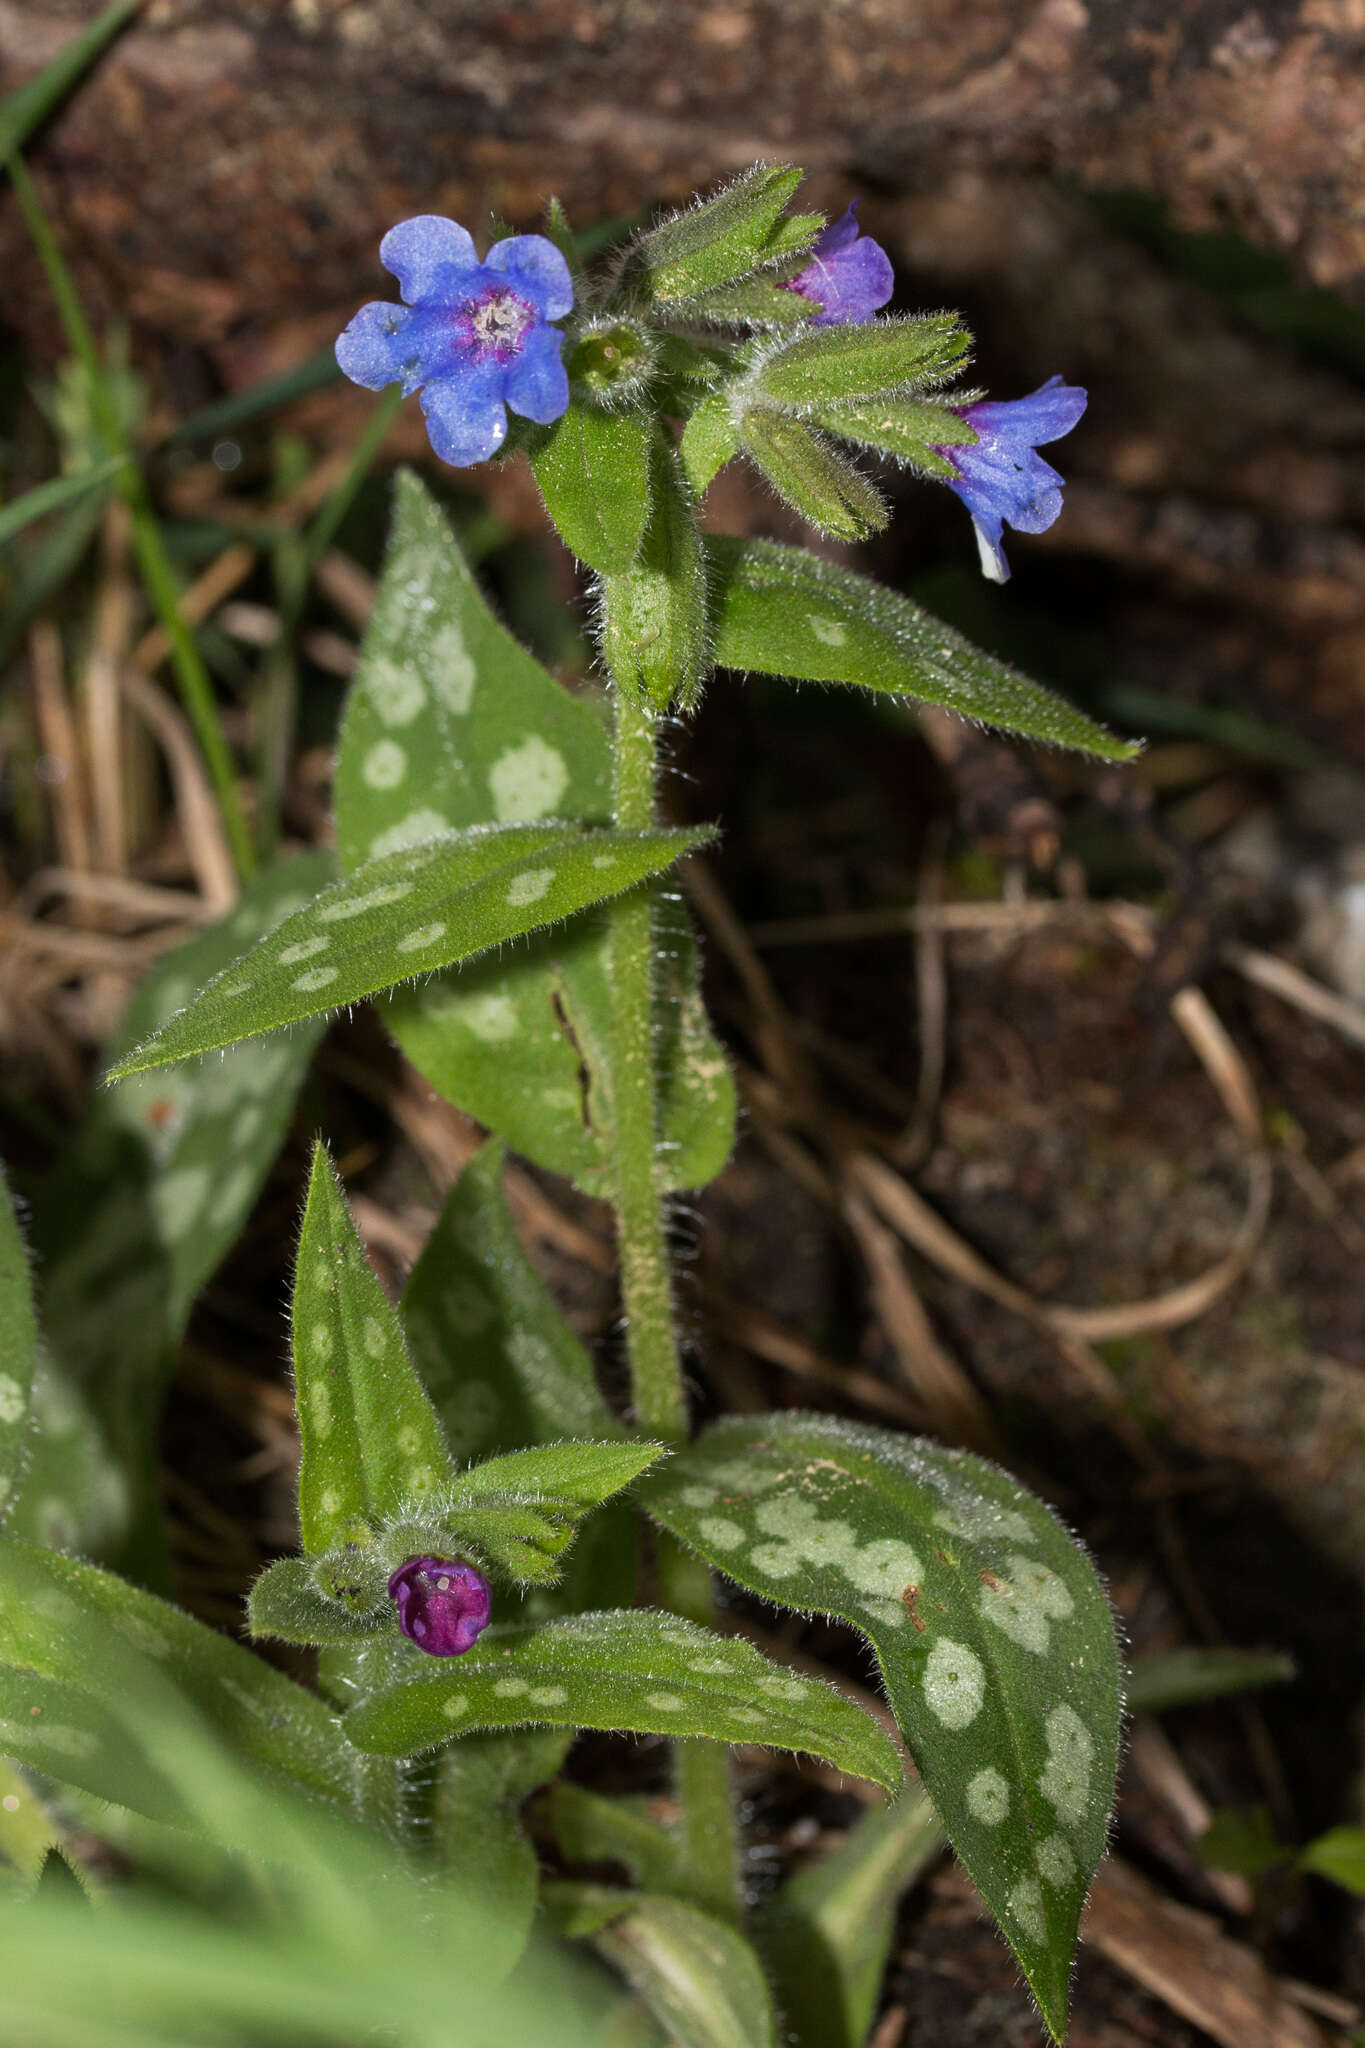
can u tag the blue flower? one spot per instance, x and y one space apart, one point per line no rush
1001 476
473 337
849 277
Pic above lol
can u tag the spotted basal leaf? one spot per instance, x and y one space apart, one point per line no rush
60 1687
491 1347
371 1443
790 613
450 724
153 1191
992 1630
18 1347
406 915
652 1674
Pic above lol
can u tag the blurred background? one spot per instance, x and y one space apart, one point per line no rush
1106 1027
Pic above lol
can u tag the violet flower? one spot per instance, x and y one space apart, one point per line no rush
473 337
1001 476
849 276
443 1606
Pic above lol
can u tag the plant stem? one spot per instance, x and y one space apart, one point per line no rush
703 1768
646 1284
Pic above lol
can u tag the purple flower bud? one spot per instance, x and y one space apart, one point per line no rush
1001 476
473 337
849 276
443 1606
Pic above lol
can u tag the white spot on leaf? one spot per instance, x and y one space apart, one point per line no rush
314 978
1065 1782
954 1683
1056 1864
665 1702
414 830
382 893
988 1797
830 632
1025 1903
385 765
396 693
530 887
305 949
453 673
12 1399
1026 1598
722 1534
424 936
527 782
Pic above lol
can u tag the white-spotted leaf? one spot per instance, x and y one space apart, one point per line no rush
153 1191
652 1674
490 1345
790 613
519 1039
408 914
992 1630
371 1443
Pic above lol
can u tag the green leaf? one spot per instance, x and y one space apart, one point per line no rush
710 439
827 1933
831 365
569 1478
52 496
701 1979
371 1444
811 475
990 1626
287 1603
520 1041
653 1674
59 1624
149 1197
786 612
18 1348
481 1786
1340 1855
1182 1677
460 896
721 239
655 630
27 1829
490 1346
593 473
911 429
754 302
590 1829
22 110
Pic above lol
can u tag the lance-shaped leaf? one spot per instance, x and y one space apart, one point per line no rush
371 1443
18 1347
825 365
152 1192
783 611
655 627
498 1359
652 1674
520 1040
701 1979
914 430
60 1625
812 475
593 473
406 914
725 237
992 1630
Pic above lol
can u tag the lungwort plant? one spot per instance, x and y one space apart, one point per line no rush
473 1514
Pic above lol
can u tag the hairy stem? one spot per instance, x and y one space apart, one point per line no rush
703 1768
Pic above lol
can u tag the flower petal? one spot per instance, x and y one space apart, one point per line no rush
851 285
536 383
540 272
840 234
374 349
418 250
1045 415
466 418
